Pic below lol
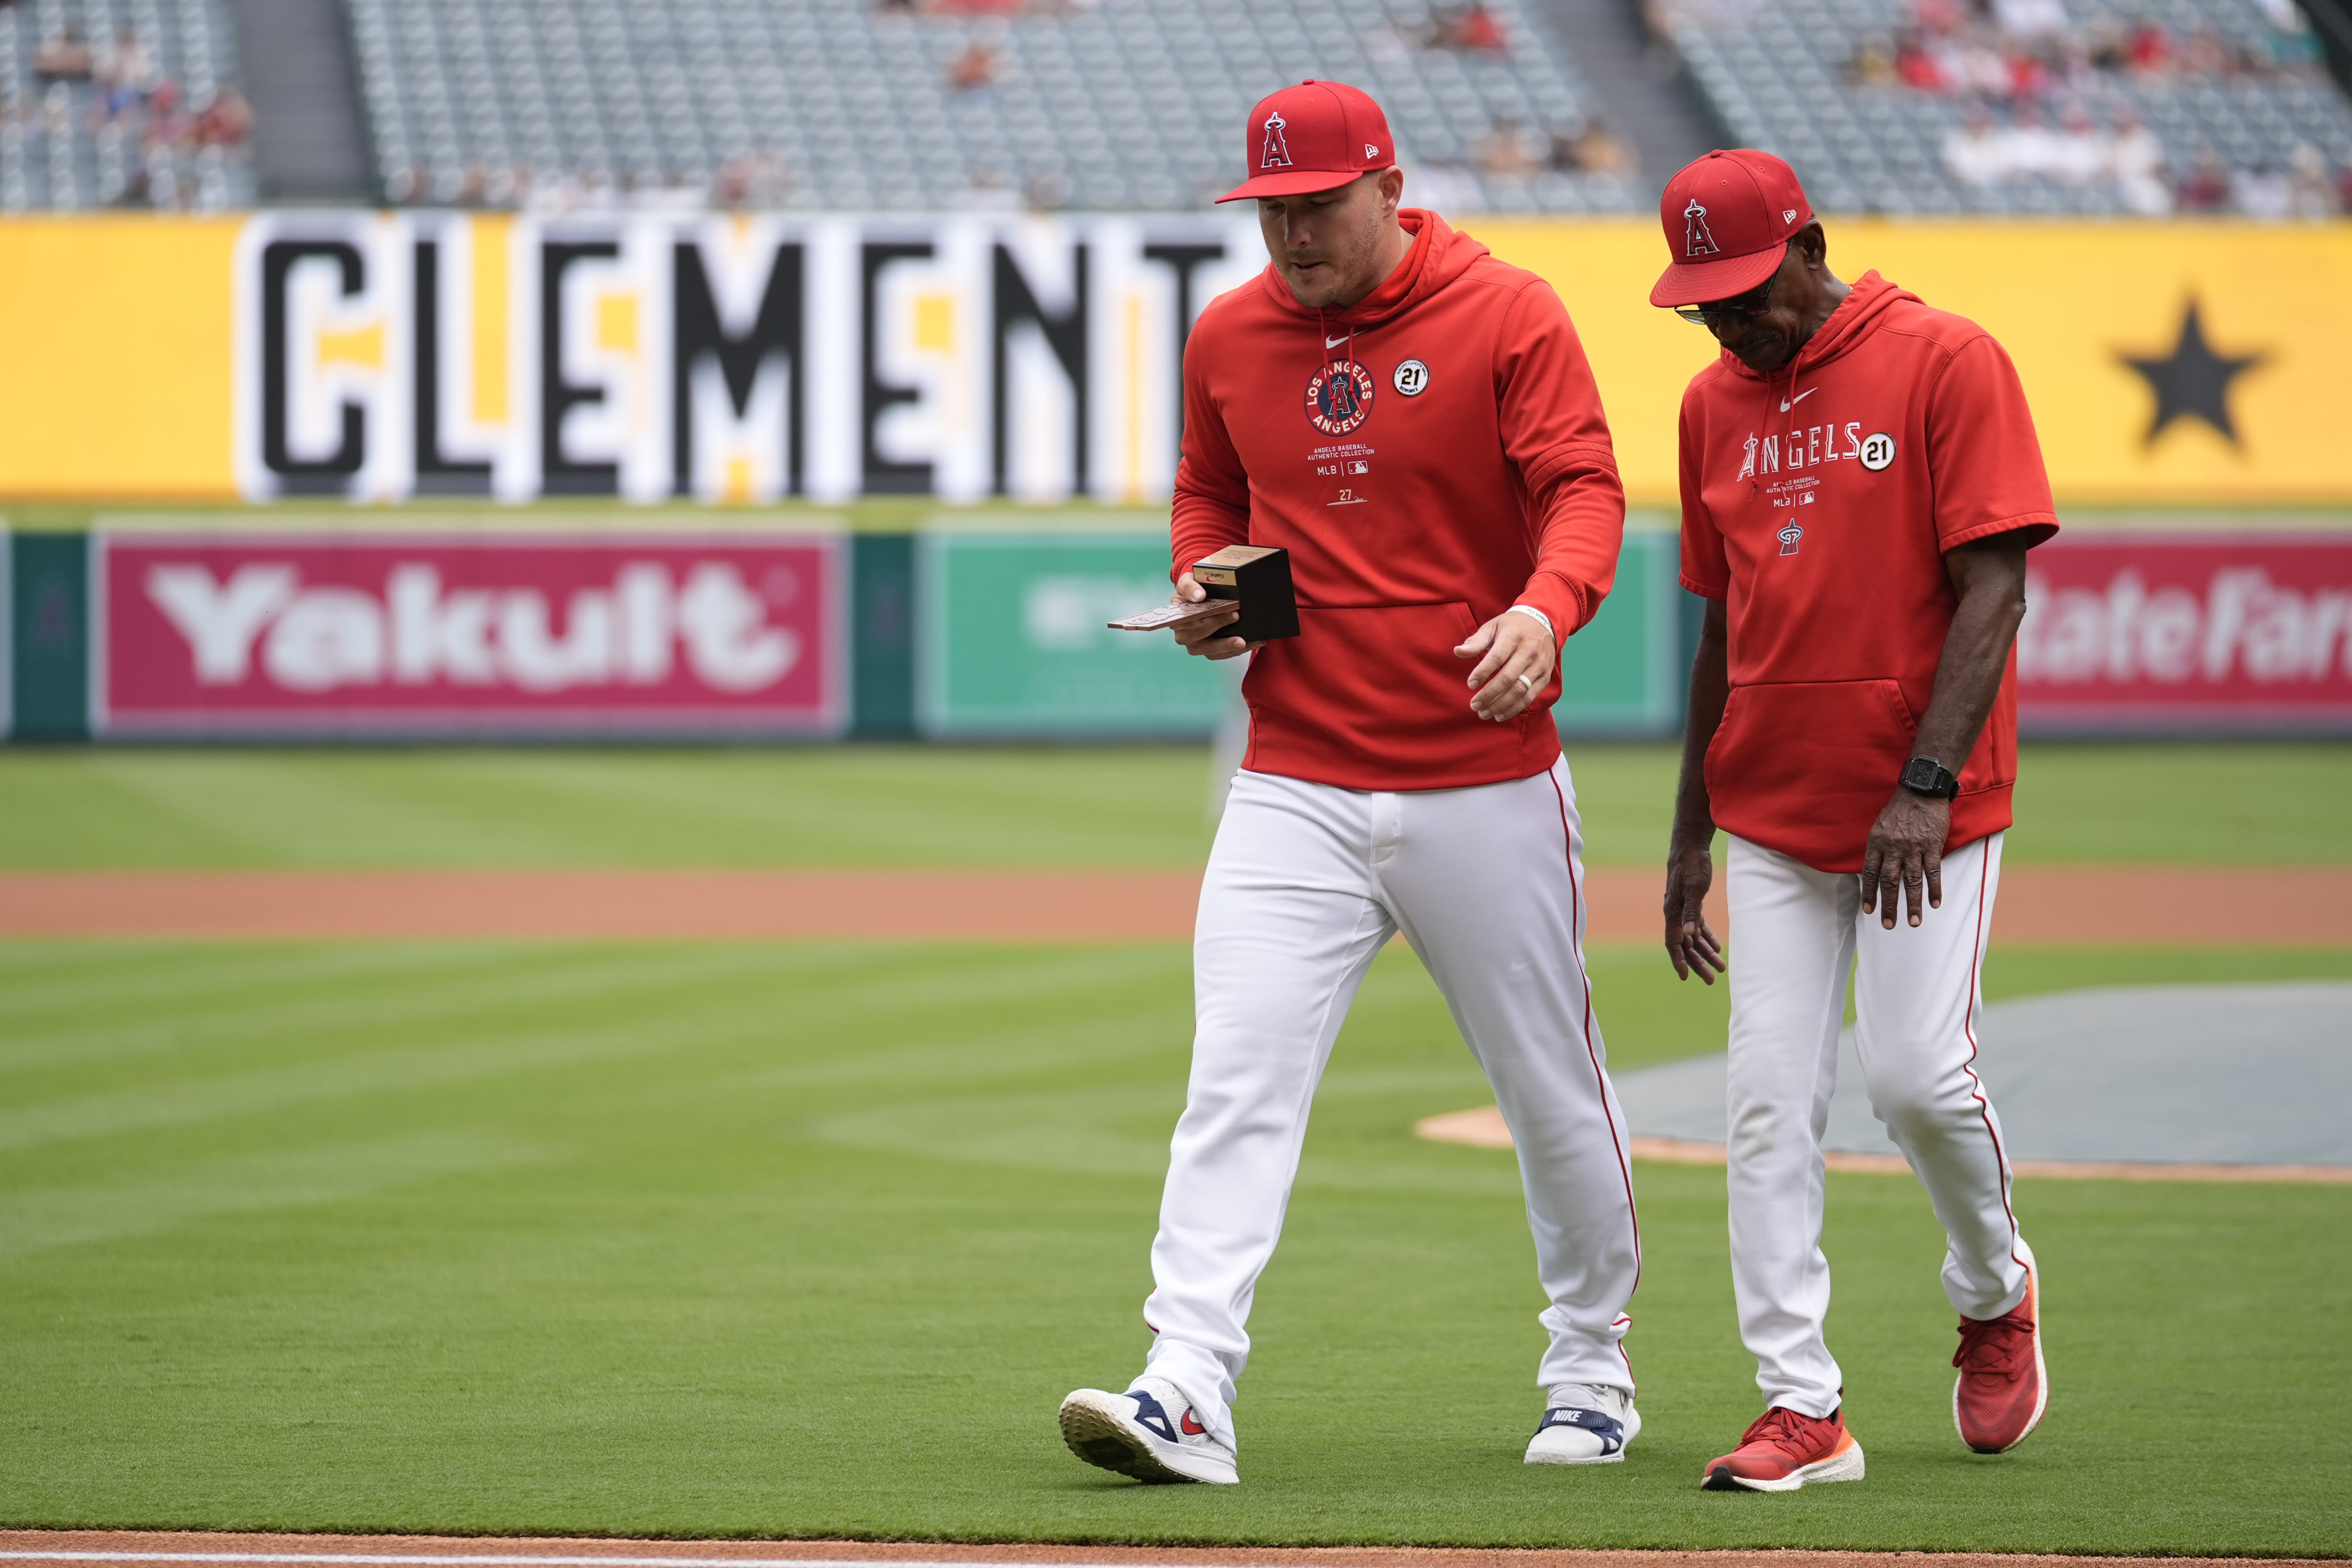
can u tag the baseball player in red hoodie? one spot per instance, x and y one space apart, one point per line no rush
1415 422
1860 483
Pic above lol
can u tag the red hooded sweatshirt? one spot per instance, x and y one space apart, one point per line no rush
1820 501
1429 458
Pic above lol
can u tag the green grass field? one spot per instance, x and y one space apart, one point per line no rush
810 1239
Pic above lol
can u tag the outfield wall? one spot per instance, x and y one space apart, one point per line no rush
384 356
318 630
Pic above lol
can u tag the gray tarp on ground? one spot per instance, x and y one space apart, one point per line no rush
2212 1074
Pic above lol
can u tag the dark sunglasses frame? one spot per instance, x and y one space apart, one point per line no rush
1747 306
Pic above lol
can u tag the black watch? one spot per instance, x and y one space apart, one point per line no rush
1925 775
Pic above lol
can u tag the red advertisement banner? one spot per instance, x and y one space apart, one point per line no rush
385 634
2151 632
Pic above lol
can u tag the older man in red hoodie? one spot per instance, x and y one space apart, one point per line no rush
1860 483
1415 422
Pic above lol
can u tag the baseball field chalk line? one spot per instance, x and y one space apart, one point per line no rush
482 1559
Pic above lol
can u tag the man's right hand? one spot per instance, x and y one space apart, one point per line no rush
1690 941
1205 636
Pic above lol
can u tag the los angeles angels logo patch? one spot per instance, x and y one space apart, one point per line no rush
1697 241
1276 154
1340 397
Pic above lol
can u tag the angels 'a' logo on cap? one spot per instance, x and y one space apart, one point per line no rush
1697 241
1276 154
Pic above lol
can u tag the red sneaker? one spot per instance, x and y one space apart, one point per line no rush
1784 1449
2003 1388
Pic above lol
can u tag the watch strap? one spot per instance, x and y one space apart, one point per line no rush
1925 775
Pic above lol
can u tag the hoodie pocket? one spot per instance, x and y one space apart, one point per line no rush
1805 767
1378 683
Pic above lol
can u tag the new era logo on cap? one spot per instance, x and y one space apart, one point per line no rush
1307 138
1728 218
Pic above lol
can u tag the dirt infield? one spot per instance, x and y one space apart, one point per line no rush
2039 905
136 1546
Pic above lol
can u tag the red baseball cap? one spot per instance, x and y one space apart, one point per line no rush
1729 217
1312 137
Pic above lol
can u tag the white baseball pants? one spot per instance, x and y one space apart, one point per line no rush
1796 936
1305 886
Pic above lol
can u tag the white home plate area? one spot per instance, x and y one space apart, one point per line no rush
2212 1082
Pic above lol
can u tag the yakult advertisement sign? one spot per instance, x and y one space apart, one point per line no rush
372 634
2151 632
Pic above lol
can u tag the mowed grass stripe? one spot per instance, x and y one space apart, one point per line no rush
820 1253
539 1011
849 805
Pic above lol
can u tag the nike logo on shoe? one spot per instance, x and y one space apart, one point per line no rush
1790 403
1193 1428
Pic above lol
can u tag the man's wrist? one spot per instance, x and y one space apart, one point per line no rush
1924 775
1541 619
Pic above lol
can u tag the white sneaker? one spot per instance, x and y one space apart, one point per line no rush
1585 1426
1150 1432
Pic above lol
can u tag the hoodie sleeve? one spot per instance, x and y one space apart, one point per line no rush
1707 569
1554 431
1983 453
1213 501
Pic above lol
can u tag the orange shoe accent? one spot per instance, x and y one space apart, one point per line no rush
2003 1386
1784 1449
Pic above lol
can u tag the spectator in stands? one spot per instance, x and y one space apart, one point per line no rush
1973 151
2030 18
1473 27
2137 159
1511 150
2206 188
1872 62
1444 187
1591 149
1048 189
123 72
972 73
1915 65
2029 146
2204 55
2312 199
168 127
63 56
2148 48
2082 153
2263 193
989 190
226 122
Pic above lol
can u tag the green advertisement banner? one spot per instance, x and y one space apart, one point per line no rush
1624 674
1010 642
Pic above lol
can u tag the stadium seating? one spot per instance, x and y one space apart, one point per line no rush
1874 103
840 104
85 124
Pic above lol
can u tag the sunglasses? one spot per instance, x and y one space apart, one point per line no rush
1746 307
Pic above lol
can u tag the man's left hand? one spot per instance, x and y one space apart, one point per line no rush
1516 659
1906 851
